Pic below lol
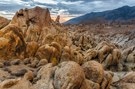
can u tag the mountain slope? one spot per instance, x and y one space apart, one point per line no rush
121 14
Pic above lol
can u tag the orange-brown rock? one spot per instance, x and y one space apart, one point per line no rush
88 84
31 23
107 80
127 82
68 75
31 49
12 41
90 54
93 71
16 84
51 52
66 54
57 19
77 57
3 22
108 55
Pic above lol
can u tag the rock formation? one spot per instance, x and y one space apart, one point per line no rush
93 71
3 22
31 23
43 54
12 41
57 19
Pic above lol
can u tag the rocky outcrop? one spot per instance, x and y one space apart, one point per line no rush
105 53
127 82
31 23
62 76
93 71
68 79
31 49
3 22
12 42
88 84
57 19
128 58
58 57
51 52
23 83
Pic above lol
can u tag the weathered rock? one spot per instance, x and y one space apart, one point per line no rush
104 50
128 78
109 55
42 62
88 84
65 76
9 83
29 75
76 56
31 49
131 57
57 19
125 54
116 53
66 54
3 75
90 54
93 71
1 65
7 63
62 76
13 41
19 72
34 63
127 82
107 80
45 77
16 84
3 22
50 52
31 23
128 58
16 62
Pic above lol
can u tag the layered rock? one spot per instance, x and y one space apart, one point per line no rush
107 54
128 59
127 82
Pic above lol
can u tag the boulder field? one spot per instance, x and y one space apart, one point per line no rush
37 52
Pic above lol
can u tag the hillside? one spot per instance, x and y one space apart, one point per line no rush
122 14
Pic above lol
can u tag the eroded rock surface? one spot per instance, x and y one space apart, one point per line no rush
43 54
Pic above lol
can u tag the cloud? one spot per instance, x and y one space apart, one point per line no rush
68 8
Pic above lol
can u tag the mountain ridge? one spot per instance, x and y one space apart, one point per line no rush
124 13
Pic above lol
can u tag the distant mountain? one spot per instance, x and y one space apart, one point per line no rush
124 13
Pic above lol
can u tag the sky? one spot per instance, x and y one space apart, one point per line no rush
67 9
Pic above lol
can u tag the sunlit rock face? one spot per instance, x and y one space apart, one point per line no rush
3 22
32 21
11 42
